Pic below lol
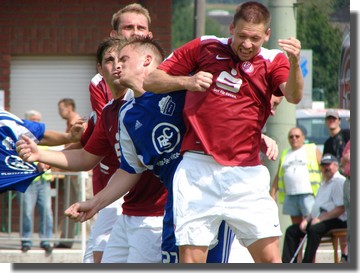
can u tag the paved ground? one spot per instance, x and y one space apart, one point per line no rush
10 253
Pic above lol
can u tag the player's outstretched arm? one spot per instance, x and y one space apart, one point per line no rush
55 138
72 160
159 81
119 184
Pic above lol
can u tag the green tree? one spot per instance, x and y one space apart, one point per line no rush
183 23
315 32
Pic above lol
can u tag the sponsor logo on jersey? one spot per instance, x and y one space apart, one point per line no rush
16 163
165 137
247 67
228 81
167 106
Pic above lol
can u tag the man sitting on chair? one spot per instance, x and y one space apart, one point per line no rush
328 213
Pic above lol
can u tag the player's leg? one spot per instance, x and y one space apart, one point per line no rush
196 207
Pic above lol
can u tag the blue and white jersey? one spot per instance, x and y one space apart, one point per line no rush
151 131
15 174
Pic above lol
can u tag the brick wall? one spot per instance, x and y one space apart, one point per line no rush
52 27
66 27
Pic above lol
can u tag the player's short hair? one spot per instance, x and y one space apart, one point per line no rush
134 8
253 12
148 43
114 43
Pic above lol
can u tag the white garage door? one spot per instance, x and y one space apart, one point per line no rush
40 82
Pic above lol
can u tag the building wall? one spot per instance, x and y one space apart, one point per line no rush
43 28
63 28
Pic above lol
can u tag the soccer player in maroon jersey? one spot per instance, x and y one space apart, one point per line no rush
230 82
130 20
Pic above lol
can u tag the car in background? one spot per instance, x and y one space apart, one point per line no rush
312 122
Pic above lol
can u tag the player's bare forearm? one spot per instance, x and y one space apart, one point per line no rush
119 184
159 81
293 88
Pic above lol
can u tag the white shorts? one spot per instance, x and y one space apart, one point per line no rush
205 193
135 239
101 229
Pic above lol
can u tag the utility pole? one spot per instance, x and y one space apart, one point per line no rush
283 26
199 18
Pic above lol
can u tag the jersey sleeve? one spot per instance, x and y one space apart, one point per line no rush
280 72
99 94
89 129
32 129
182 61
98 144
130 160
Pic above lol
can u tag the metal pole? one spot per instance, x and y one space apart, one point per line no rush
283 25
199 18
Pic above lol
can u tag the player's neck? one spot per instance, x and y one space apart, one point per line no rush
118 93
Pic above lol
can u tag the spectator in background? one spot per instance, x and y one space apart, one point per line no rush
38 194
338 137
298 177
327 213
66 107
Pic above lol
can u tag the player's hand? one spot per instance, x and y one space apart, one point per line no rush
77 130
269 147
292 47
27 149
201 81
81 211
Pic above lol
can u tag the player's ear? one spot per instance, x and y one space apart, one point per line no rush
148 60
99 69
231 29
267 35
113 34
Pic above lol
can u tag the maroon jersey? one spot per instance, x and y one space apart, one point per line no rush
226 120
100 94
149 195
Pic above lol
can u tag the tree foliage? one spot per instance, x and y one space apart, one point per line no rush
183 23
316 32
